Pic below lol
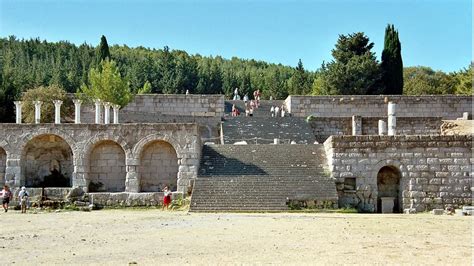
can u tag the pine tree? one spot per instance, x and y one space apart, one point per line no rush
103 50
392 65
299 81
354 70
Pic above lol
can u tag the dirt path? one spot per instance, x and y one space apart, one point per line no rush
117 237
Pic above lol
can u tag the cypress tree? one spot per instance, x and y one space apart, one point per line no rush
103 52
392 65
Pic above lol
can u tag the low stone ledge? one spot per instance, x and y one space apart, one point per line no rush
129 199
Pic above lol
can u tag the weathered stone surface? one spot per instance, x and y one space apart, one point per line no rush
428 176
100 153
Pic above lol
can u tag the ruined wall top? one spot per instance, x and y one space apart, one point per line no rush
445 106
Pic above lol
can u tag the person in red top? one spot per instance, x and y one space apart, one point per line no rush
7 196
166 198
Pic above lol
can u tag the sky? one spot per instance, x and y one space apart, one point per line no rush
436 33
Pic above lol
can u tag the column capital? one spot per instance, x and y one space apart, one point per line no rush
37 103
106 104
98 101
57 102
18 103
115 106
77 101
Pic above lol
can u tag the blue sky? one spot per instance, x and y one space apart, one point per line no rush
433 33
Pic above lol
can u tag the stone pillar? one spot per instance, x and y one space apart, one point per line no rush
465 116
132 184
97 103
116 108
18 105
382 128
392 119
356 125
57 111
80 174
13 176
106 113
77 111
37 111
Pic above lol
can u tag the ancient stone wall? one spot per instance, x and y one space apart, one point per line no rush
164 108
107 166
44 154
159 167
445 106
89 158
324 127
204 110
435 171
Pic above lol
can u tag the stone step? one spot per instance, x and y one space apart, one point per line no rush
260 177
264 129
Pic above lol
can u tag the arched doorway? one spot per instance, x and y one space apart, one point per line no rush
389 193
3 165
107 171
47 162
158 167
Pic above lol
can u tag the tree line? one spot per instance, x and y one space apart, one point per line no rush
33 63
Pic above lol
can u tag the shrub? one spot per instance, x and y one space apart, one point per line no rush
45 95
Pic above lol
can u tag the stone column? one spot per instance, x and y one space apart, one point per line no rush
57 111
106 113
37 111
382 128
392 119
98 104
13 176
77 110
116 108
356 125
80 174
132 183
18 105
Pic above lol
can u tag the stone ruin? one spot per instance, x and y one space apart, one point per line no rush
377 153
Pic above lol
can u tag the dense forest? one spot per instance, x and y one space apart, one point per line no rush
27 64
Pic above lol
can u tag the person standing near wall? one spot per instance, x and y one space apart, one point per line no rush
166 198
6 197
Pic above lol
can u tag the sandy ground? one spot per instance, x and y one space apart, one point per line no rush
118 237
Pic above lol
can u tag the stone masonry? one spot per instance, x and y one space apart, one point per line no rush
100 149
434 171
445 106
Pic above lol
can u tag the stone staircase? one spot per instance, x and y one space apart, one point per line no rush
260 177
262 130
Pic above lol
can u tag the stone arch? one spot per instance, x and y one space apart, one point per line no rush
107 166
3 164
138 148
389 190
47 159
158 166
48 131
91 143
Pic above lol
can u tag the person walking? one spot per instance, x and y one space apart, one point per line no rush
6 197
23 199
236 94
272 111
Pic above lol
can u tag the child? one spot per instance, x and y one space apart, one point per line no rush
23 199
166 198
7 195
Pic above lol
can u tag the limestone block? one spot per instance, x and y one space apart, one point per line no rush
437 212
